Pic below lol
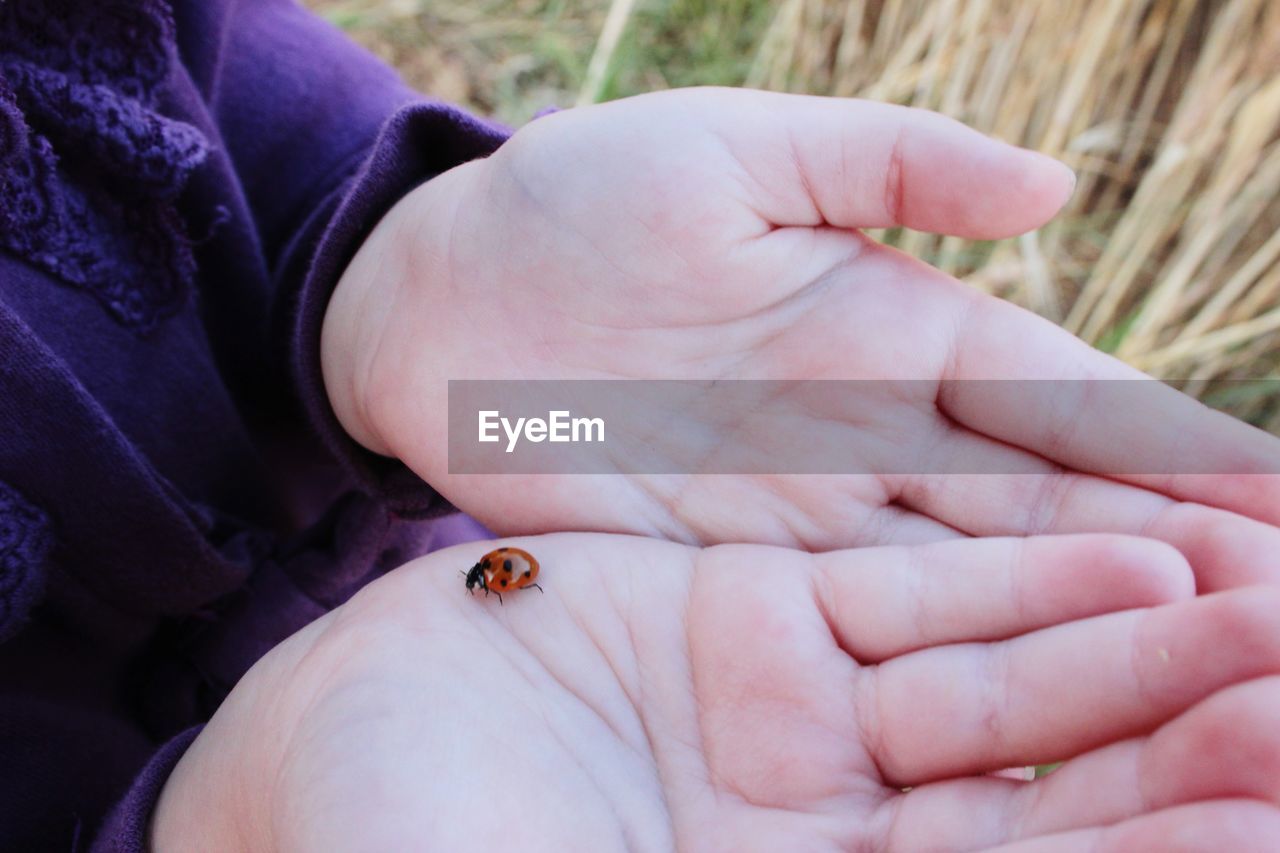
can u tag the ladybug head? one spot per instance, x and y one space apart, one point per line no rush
475 577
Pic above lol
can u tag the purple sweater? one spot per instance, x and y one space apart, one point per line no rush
182 185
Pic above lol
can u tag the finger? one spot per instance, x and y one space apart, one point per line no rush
886 602
1035 496
1072 409
861 164
1063 690
1226 747
1241 826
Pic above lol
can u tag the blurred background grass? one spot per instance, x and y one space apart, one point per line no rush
1169 110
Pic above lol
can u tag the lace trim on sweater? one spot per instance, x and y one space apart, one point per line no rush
90 170
24 545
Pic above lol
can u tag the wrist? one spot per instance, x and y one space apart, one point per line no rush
373 343
194 811
355 323
222 792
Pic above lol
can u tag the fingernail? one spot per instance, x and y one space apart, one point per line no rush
1071 173
1062 167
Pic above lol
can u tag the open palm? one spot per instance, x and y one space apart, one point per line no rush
753 698
714 234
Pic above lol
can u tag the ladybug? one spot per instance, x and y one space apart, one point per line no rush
502 571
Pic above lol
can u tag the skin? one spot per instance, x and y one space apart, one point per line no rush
715 234
753 698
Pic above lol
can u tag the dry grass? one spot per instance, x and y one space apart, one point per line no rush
1169 110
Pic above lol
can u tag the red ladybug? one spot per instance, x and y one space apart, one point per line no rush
502 571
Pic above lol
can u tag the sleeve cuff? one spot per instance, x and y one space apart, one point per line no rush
126 826
418 142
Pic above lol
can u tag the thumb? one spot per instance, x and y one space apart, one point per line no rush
848 163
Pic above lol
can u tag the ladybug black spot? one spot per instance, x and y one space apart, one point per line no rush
503 583
506 565
528 574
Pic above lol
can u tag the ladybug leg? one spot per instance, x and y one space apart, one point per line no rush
495 592
535 586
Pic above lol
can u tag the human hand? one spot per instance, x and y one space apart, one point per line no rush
713 234
744 698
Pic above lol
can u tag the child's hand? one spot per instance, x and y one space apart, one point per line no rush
712 234
750 698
